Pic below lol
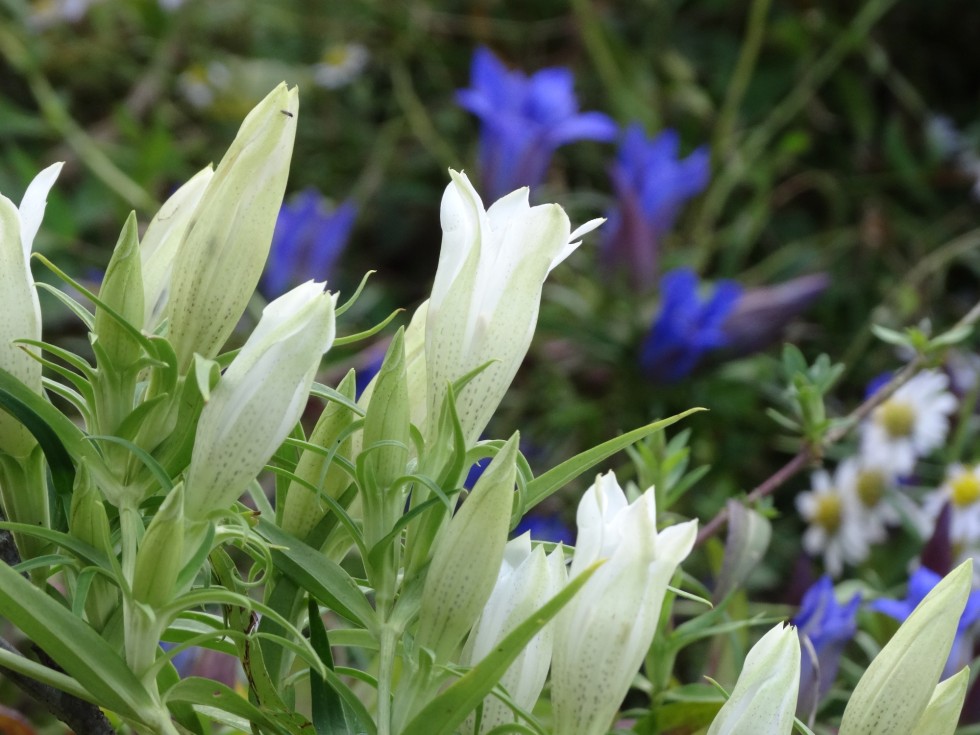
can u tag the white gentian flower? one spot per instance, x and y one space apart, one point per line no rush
259 399
527 580
604 633
910 424
764 697
962 491
486 295
20 312
834 531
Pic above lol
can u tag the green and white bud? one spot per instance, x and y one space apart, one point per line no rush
303 508
88 522
218 264
386 420
466 557
604 633
122 291
527 580
20 312
161 553
764 697
895 689
942 714
259 399
161 241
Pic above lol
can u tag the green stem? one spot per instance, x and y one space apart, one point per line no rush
628 105
386 669
739 82
732 174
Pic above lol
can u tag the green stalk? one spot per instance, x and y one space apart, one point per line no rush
386 669
739 82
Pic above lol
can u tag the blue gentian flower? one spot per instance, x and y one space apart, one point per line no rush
920 584
687 327
545 528
524 120
652 182
829 626
763 312
306 243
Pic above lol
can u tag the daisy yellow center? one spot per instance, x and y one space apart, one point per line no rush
870 487
336 56
897 418
965 489
827 513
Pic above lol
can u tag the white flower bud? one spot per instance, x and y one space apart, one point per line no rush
895 689
764 697
604 633
527 580
259 399
224 250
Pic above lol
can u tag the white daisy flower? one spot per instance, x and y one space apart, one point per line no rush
962 491
834 529
910 424
340 65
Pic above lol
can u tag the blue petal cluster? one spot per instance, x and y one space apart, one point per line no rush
306 243
652 182
829 626
524 120
687 327
920 584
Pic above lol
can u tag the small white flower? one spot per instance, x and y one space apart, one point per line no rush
911 423
877 501
835 530
340 65
962 491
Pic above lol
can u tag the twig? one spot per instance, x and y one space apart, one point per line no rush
810 453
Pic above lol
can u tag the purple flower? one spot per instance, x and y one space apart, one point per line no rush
306 243
920 584
829 627
652 183
687 327
762 313
524 120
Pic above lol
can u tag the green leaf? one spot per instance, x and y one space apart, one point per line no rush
74 646
359 336
554 479
324 579
159 474
52 429
329 714
443 714
207 692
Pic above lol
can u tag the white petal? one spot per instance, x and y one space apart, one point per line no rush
32 205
